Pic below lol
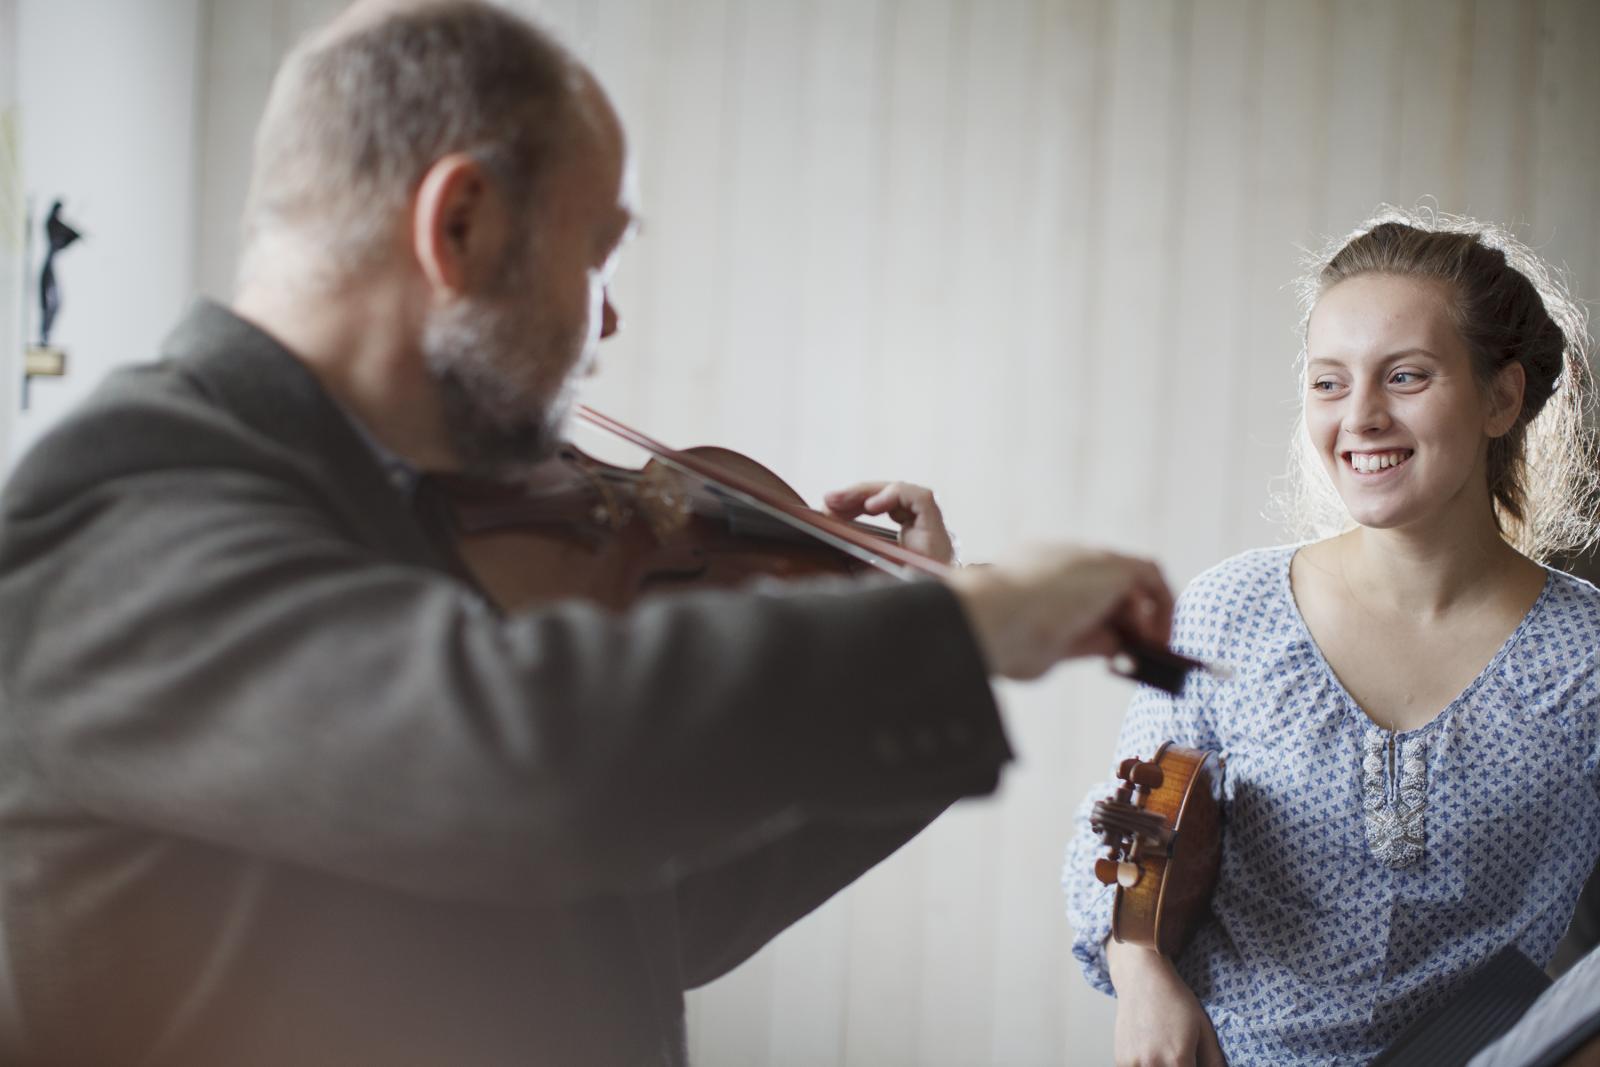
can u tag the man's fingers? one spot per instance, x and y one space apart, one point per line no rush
903 502
1097 642
909 506
848 502
1148 608
1063 601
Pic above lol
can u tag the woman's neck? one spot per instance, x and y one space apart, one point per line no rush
1429 573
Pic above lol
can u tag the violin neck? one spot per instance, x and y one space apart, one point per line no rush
872 529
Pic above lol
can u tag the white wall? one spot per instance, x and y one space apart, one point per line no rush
106 108
11 225
1032 252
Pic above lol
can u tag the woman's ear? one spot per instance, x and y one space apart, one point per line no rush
1505 398
455 225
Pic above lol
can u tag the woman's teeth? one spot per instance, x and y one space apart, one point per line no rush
1372 462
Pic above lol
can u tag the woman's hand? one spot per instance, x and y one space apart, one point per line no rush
1160 1023
922 528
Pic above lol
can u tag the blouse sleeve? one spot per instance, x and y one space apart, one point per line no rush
1153 717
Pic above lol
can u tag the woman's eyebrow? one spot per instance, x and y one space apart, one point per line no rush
1404 353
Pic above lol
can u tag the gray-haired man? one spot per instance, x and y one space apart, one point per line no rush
278 787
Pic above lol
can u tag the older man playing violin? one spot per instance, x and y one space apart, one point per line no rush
278 785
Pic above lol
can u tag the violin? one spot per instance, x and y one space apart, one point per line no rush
705 516
580 527
1163 836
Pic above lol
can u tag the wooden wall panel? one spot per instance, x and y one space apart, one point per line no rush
1146 149
1058 273
1566 159
1200 408
1283 179
1499 101
1435 50
922 79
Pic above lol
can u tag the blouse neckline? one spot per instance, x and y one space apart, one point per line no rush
1352 706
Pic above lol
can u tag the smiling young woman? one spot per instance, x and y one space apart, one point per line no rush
1413 735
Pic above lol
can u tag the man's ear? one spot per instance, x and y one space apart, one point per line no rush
1505 398
455 226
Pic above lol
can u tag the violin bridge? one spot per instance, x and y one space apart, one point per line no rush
667 506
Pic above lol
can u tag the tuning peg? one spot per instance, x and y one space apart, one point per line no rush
1138 772
1112 872
1148 776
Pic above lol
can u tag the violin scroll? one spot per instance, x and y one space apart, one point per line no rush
1162 830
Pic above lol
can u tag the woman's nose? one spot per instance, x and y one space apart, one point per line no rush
1367 412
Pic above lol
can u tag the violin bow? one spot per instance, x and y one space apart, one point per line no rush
1138 660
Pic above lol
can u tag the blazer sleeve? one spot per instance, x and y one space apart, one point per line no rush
729 911
204 653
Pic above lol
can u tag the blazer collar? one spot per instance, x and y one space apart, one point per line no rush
246 371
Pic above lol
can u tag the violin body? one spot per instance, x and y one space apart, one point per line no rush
577 527
1163 835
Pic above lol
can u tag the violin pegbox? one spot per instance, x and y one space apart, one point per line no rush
1162 830
1126 828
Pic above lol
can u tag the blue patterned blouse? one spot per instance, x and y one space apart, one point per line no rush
1365 873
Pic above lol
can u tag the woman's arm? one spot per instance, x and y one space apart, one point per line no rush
1160 1023
1156 1014
1153 717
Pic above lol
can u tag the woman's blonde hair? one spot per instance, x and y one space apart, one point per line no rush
1509 306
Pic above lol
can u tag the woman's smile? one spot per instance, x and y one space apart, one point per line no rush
1370 464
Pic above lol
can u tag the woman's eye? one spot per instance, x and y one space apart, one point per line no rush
1324 385
1405 377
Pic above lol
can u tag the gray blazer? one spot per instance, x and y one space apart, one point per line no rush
278 787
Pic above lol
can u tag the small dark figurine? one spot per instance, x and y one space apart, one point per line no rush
58 235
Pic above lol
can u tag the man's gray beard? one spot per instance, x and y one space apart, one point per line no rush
483 359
